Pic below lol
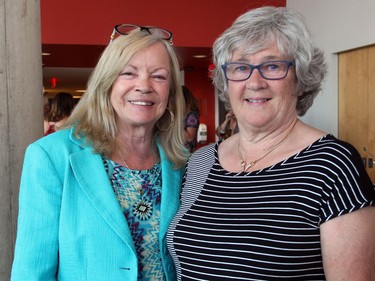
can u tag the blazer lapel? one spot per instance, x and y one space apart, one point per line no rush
171 181
93 179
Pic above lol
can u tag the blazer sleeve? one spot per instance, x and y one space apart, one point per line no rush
36 250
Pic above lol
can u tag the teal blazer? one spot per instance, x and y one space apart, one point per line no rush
70 225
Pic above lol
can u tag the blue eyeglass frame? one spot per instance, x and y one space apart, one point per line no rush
257 66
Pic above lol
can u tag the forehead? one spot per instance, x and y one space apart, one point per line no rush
270 52
155 54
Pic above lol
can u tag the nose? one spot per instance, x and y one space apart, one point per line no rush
255 81
143 85
257 71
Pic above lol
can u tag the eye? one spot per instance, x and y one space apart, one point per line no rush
128 74
240 68
272 66
159 77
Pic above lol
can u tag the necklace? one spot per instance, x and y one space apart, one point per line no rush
154 176
122 159
247 165
139 187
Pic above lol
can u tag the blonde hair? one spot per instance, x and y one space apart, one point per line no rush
94 116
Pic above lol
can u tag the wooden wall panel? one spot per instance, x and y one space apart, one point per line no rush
371 109
357 101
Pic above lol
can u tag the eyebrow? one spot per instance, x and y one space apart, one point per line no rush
266 58
153 70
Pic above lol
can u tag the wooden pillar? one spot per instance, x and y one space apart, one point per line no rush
21 109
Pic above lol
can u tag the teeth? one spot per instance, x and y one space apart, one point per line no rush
141 103
263 100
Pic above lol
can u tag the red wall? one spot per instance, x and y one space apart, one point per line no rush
194 23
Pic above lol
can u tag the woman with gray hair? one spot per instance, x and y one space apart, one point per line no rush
280 200
96 198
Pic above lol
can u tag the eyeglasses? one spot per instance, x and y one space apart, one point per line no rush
270 70
125 29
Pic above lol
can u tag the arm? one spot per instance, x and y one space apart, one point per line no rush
222 130
224 125
36 251
45 126
190 133
348 246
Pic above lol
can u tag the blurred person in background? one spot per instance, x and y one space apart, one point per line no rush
191 121
229 126
46 109
60 109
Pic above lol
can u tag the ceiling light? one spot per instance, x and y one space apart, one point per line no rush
199 56
46 54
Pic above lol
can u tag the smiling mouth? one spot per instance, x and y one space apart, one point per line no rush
257 100
143 103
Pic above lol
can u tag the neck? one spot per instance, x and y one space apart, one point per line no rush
136 155
246 165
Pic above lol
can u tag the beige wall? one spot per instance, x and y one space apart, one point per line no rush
337 25
21 113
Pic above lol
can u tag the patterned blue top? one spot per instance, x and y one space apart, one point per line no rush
139 195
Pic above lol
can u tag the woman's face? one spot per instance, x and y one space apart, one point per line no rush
140 93
259 103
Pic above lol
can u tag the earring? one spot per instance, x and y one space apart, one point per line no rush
171 122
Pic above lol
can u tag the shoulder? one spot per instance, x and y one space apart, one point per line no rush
317 140
340 158
336 147
52 141
59 143
209 148
198 168
348 186
204 153
166 164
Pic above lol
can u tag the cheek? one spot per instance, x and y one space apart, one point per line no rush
119 89
163 104
292 85
113 97
289 98
235 91
287 88
116 99
164 95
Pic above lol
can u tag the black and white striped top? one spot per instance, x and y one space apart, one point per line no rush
264 225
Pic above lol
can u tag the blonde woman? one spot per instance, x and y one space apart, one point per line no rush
97 197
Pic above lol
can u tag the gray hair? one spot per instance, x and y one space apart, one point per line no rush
259 29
